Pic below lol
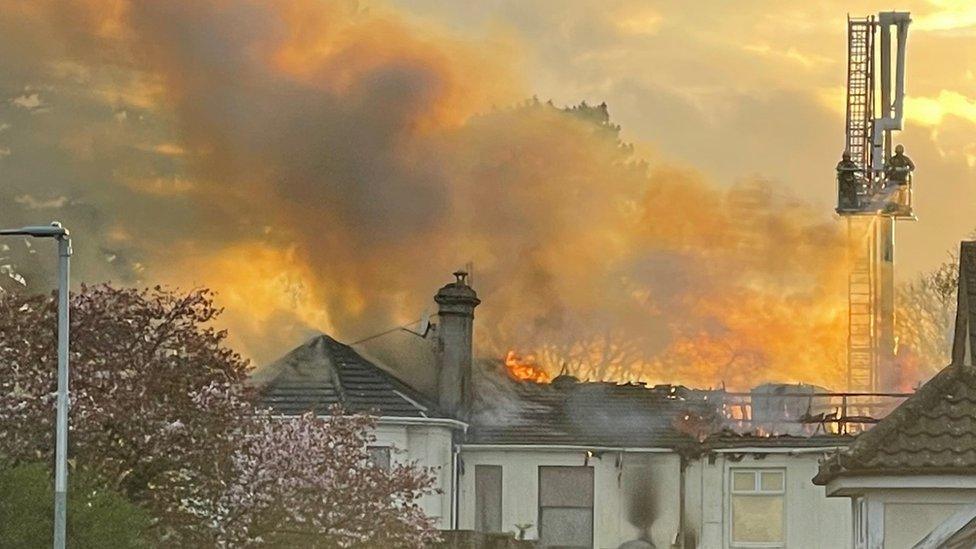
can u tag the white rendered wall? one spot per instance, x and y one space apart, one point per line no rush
621 481
429 446
812 521
900 517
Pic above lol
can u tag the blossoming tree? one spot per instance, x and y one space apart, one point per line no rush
162 414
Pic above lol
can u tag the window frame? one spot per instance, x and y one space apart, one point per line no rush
757 490
540 507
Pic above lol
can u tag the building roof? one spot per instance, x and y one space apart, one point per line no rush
323 372
727 440
595 414
933 431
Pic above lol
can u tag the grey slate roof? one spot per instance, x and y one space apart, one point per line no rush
322 372
934 431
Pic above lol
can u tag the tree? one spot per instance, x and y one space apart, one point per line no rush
96 517
161 414
308 482
925 320
137 359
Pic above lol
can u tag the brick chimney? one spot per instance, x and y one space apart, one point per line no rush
456 302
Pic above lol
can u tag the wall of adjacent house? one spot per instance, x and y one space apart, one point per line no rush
797 512
430 446
635 495
900 517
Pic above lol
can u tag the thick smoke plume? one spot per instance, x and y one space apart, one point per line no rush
325 166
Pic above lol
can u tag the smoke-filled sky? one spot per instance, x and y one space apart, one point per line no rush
325 164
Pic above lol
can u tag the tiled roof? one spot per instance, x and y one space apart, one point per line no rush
323 372
934 431
586 414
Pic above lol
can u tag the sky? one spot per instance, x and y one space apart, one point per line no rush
744 88
325 164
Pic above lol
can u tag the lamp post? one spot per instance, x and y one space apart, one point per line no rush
59 233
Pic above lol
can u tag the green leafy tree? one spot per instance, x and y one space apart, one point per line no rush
97 517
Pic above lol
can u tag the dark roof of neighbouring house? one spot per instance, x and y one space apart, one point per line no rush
934 431
323 372
587 414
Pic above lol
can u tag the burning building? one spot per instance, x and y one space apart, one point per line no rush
571 462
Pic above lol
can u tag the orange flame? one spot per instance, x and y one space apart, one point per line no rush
524 368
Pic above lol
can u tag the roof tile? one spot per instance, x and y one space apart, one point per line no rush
323 372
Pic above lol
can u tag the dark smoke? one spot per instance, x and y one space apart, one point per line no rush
325 167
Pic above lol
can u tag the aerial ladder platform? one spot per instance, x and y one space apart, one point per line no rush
873 193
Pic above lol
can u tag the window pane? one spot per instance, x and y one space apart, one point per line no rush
757 518
563 527
743 481
380 456
565 486
772 481
488 498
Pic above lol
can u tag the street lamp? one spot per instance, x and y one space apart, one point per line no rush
59 233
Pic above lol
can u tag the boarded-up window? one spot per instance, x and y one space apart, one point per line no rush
488 498
379 456
757 507
566 506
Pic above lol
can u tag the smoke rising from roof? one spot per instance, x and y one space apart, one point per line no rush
325 166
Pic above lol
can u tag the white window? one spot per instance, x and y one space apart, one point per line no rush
566 507
757 507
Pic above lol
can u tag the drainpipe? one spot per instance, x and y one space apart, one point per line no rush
455 486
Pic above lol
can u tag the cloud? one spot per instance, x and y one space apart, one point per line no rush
791 55
162 186
29 101
932 111
33 203
948 15
638 21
